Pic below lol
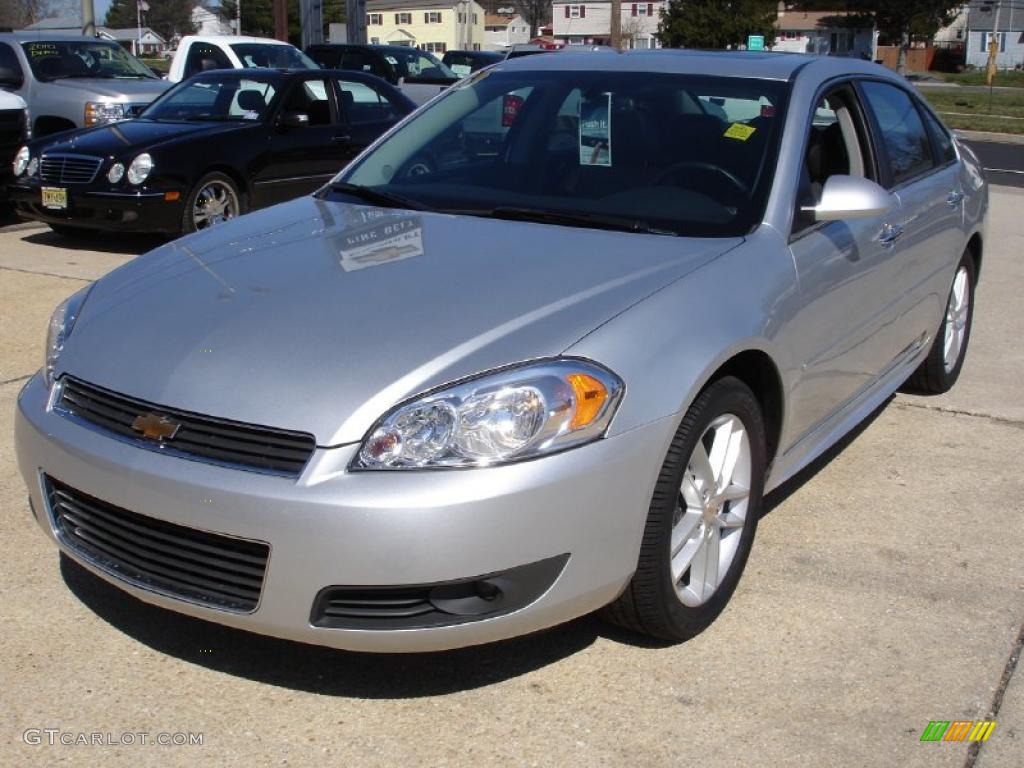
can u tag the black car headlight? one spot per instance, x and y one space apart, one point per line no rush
496 418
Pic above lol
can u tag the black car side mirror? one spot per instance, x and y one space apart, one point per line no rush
294 120
9 78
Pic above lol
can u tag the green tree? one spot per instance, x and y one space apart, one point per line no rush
258 17
120 14
169 17
714 23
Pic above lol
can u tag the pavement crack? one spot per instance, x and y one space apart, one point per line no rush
16 379
47 274
1018 423
997 699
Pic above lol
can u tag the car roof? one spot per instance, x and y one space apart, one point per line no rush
759 65
230 39
28 36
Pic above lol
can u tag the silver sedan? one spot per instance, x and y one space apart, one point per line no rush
541 350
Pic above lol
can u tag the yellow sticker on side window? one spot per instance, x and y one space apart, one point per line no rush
739 131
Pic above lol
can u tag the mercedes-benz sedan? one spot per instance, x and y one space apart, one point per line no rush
540 350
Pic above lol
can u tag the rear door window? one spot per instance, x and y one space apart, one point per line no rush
362 104
903 136
203 56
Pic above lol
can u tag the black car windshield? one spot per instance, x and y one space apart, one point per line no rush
642 151
409 62
56 59
270 56
215 97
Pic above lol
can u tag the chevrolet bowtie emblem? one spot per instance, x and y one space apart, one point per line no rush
153 426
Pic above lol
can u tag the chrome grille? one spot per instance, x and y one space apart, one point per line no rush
69 169
186 563
243 446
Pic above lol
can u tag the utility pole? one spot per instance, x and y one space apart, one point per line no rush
88 19
281 20
238 17
355 21
616 41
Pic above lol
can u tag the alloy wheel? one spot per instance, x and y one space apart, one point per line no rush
957 311
216 203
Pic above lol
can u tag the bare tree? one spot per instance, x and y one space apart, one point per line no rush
536 13
16 14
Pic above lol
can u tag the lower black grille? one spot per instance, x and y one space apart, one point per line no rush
435 605
228 442
186 563
68 169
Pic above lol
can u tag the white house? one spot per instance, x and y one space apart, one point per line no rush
149 44
590 23
503 30
817 32
1005 22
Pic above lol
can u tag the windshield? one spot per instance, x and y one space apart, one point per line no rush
271 56
214 98
673 154
413 63
54 59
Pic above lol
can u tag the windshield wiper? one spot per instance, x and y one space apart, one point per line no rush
588 220
376 196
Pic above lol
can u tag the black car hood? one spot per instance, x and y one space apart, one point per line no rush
114 139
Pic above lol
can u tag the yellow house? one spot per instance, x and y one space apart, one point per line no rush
431 25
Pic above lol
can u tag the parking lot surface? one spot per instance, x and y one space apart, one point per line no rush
885 590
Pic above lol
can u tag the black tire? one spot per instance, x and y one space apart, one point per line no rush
188 222
931 377
650 603
66 230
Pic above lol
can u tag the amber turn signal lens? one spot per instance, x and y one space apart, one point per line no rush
170 197
590 397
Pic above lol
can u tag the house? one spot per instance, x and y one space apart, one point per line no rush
431 25
590 22
503 30
825 33
144 42
209 19
1002 20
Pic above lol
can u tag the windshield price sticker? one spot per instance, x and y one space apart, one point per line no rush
739 131
595 117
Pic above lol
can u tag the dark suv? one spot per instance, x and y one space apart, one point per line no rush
419 74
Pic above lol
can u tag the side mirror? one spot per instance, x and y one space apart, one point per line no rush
9 78
851 197
294 120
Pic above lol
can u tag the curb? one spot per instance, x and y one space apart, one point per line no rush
997 138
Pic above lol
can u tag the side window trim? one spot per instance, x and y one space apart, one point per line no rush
930 118
890 183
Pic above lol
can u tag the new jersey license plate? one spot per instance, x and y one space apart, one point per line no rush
55 197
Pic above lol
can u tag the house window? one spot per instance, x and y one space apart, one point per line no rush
474 19
403 18
960 33
462 18
435 47
986 38
476 46
374 41
642 9
575 11
791 34
432 18
641 42
374 18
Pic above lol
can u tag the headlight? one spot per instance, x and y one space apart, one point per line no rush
514 414
115 173
20 161
140 168
97 112
33 166
61 324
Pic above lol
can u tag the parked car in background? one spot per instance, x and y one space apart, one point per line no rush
463 63
419 74
440 409
69 81
200 53
13 135
215 146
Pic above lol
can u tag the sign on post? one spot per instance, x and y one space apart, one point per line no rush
755 42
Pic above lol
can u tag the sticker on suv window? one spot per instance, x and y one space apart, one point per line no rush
595 118
739 131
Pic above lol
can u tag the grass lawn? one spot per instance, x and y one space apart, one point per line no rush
160 64
974 109
1011 78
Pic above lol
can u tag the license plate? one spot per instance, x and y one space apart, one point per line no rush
55 197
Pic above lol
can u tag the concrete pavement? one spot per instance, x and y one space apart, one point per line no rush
885 590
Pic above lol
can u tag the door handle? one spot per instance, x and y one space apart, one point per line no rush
890 234
343 139
954 198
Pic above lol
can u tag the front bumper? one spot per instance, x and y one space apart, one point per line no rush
333 527
144 211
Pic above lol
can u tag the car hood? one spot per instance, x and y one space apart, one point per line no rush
112 139
128 91
320 316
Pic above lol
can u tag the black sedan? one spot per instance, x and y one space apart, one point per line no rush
211 148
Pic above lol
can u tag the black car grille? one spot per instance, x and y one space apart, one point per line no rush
243 446
69 169
201 567
12 132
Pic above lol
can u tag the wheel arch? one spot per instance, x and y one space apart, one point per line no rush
232 173
44 125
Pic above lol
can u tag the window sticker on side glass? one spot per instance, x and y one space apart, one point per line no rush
595 119
739 131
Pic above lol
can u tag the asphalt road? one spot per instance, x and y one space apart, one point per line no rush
885 590
1004 163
